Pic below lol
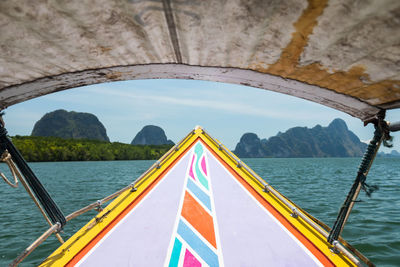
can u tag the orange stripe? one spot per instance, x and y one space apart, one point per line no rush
133 204
199 218
292 229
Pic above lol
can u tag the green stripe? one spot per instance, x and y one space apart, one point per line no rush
176 252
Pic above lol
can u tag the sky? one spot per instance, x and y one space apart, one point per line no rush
226 111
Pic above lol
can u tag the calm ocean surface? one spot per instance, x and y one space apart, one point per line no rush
318 185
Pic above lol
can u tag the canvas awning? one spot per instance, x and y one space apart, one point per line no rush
341 53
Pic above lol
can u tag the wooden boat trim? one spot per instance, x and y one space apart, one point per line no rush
86 238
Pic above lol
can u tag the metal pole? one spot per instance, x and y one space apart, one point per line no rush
96 204
48 204
35 244
136 183
30 193
359 182
394 126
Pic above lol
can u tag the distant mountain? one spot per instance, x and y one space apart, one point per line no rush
151 135
392 154
76 125
395 153
250 146
336 140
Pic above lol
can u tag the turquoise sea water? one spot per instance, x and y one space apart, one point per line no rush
318 185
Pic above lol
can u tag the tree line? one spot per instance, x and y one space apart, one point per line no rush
39 149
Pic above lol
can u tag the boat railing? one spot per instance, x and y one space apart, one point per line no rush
296 211
337 246
54 229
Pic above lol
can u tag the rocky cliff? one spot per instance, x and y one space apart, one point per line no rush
335 140
76 125
151 135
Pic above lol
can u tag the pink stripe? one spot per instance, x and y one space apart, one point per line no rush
203 165
191 169
190 260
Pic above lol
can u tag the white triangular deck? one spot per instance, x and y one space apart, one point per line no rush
200 213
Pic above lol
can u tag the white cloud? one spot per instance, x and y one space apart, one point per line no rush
231 107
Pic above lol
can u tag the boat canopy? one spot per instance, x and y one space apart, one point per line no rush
343 54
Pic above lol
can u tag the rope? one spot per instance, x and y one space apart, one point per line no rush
48 204
6 157
358 184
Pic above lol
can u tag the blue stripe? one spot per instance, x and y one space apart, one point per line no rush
203 197
197 244
199 151
176 252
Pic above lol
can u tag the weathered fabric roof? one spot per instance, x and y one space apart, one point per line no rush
341 53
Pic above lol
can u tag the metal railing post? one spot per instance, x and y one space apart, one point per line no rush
359 182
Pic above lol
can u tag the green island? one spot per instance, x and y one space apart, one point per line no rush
41 149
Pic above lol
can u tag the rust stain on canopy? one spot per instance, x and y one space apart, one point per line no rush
354 82
344 54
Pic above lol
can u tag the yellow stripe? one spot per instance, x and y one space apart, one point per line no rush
310 233
78 241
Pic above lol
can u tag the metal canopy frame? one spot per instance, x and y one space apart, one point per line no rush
350 105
